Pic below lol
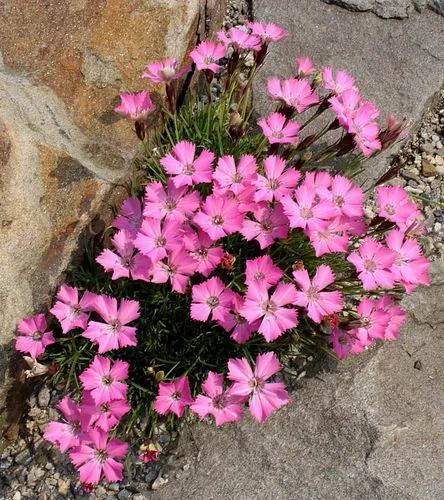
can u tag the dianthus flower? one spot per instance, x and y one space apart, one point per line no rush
200 247
173 397
304 66
239 39
176 268
241 330
33 338
164 71
394 204
156 238
268 225
105 416
69 310
136 106
374 321
345 196
235 178
210 298
277 182
268 32
219 216
130 216
278 129
294 92
397 316
207 54
262 271
340 84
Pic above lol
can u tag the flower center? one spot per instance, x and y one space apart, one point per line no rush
213 301
278 135
366 323
269 307
256 383
36 336
240 320
168 72
169 205
201 253
76 310
160 241
101 456
389 209
127 262
312 294
115 325
237 178
217 220
188 169
259 275
306 213
104 408
369 266
75 427
208 60
176 395
107 380
267 225
219 401
273 184
339 201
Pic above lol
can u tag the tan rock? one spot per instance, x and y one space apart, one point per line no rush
428 168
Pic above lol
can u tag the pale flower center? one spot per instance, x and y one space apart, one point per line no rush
107 380
168 72
273 184
306 213
169 205
256 383
115 325
339 201
213 301
259 275
201 253
389 209
75 427
36 336
369 266
269 307
176 396
278 135
160 241
208 60
217 220
267 225
188 169
312 294
127 262
236 178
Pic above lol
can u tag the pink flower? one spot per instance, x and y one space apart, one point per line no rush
304 66
264 397
207 54
394 204
241 330
66 434
148 453
171 203
130 216
125 262
270 224
113 334
210 298
373 262
268 32
318 303
275 317
374 321
277 182
96 456
173 397
69 310
328 236
156 238
344 106
33 338
294 92
345 196
279 130
105 415
104 379
397 316
185 168
207 257
219 217
177 269
217 402
305 210
239 39
262 271
164 71
318 181
365 129
342 342
410 268
230 177
135 107
340 84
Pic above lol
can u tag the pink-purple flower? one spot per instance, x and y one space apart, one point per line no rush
173 397
33 336
207 54
164 71
211 299
278 129
136 106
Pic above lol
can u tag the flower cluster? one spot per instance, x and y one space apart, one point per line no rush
226 229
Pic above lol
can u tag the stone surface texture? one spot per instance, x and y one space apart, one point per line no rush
62 148
373 428
389 9
398 64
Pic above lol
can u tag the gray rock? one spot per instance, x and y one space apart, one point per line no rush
389 9
371 429
44 397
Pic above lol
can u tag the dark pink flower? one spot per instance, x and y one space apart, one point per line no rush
130 216
277 182
241 330
105 416
262 271
156 238
200 247
211 298
268 225
219 216
69 310
173 397
293 92
33 337
176 268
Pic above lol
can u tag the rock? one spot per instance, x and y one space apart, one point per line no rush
428 168
389 9
354 432
398 64
427 148
44 397
159 482
62 148
124 495
17 496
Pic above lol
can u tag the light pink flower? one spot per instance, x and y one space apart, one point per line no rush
241 330
104 379
374 321
318 303
328 236
410 268
317 181
33 338
304 66
105 415
211 298
113 334
66 434
164 71
171 203
397 316
156 238
268 32
279 130
340 84
96 456
219 217
394 204
239 39
294 92
345 196
136 106
200 246
305 210
130 216
365 129
217 402
373 262
207 54
173 397
264 397
69 310
125 262
275 317
176 268
185 168
269 225
262 271
235 178
277 182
